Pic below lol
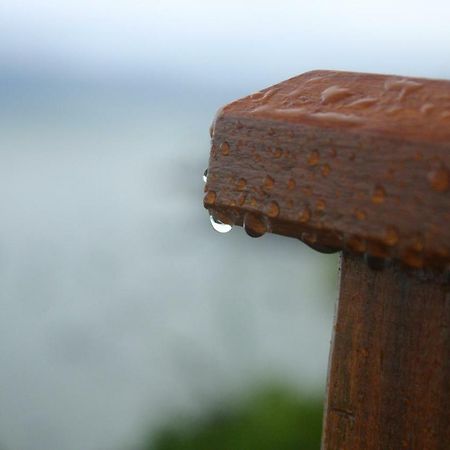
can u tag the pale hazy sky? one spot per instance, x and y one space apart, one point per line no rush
226 40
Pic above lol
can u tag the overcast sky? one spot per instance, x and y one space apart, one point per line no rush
223 41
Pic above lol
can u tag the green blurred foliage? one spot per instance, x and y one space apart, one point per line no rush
271 419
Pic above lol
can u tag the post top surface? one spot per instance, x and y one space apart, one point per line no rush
400 106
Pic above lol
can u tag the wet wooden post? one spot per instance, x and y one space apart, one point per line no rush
357 163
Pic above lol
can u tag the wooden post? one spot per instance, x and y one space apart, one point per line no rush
357 163
389 383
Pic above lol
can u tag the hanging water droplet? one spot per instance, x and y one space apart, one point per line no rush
205 176
219 226
255 225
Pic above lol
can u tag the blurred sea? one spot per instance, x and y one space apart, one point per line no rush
120 306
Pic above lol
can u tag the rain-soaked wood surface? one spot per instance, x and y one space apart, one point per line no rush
389 375
340 160
359 163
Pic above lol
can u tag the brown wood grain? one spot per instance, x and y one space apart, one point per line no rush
360 163
340 160
389 375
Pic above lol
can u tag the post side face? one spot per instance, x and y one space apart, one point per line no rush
350 161
389 375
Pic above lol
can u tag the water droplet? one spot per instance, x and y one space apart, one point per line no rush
338 118
360 214
404 86
320 205
242 183
413 259
225 148
269 182
255 225
205 176
304 215
390 236
426 108
417 243
219 226
269 93
378 194
394 110
362 102
273 209
439 179
313 158
326 170
334 94
210 198
291 184
277 153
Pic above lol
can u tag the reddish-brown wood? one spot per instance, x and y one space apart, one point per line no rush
389 379
340 160
359 163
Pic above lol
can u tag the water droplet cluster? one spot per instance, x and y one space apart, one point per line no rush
341 104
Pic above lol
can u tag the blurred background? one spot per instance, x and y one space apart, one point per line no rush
126 322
